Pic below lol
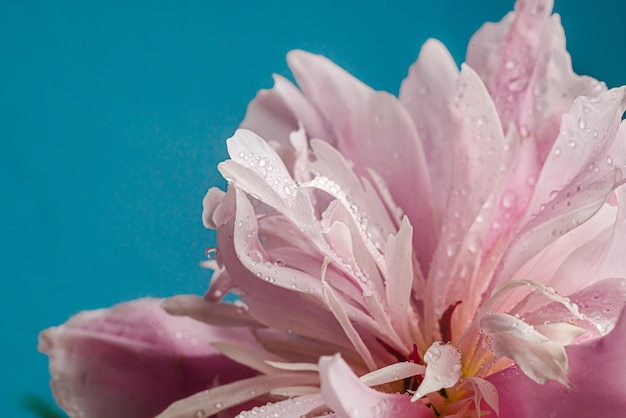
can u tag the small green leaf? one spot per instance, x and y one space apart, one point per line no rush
40 407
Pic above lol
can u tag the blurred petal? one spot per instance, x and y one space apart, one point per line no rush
134 359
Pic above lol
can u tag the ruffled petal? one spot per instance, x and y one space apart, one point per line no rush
134 359
347 396
585 165
539 357
374 131
602 257
275 113
596 374
526 68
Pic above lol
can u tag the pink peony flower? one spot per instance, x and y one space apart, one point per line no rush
456 251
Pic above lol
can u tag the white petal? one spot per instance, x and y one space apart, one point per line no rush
443 369
540 358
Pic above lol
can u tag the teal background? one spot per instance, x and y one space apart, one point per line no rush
113 116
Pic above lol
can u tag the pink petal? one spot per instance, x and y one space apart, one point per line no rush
483 389
297 407
427 93
596 373
600 304
209 402
602 257
209 204
221 314
374 131
528 71
546 264
576 178
399 262
134 359
275 113
347 396
481 156
263 283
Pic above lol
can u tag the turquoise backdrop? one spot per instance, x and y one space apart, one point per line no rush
113 116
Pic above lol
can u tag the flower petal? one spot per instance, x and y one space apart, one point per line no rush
221 314
290 408
134 359
596 374
374 131
481 156
585 165
427 93
347 396
275 113
539 357
212 401
602 257
443 369
528 71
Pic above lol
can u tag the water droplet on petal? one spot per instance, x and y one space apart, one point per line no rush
582 123
524 132
508 199
210 253
557 151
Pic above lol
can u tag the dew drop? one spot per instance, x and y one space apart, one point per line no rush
582 123
279 262
557 151
255 256
200 413
524 132
210 253
508 199
482 120
433 353
451 250
572 144
518 84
